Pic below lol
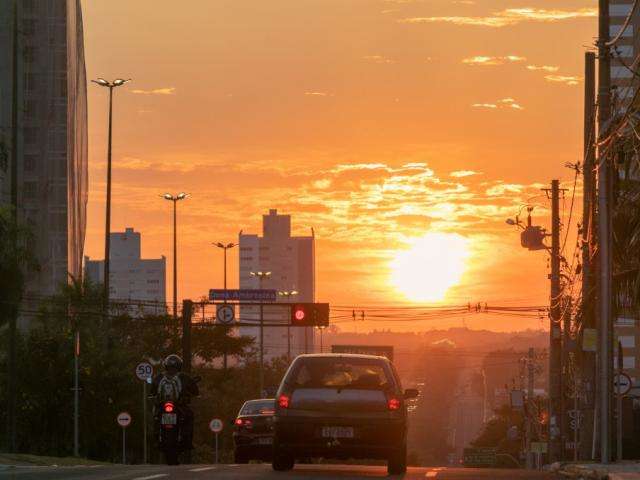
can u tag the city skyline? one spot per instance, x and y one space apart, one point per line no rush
374 153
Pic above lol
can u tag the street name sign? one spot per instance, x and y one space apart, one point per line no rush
243 295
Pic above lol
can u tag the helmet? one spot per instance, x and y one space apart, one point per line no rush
172 362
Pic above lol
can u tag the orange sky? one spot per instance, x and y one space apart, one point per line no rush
373 121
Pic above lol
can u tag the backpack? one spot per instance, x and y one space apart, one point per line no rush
169 388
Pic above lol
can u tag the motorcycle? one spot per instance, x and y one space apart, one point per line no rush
170 423
170 420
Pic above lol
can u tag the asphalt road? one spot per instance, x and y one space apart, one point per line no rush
263 472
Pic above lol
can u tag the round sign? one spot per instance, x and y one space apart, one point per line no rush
144 371
216 425
225 314
124 419
621 383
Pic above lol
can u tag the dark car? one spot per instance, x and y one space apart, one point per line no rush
253 433
341 406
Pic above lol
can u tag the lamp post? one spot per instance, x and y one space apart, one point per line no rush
288 294
175 199
225 248
321 328
118 82
261 277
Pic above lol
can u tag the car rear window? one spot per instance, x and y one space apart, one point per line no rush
341 372
263 407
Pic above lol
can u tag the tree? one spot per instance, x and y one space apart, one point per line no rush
15 259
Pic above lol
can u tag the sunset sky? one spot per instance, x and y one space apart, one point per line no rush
376 122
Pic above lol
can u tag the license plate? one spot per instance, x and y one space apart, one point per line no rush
169 419
337 432
265 441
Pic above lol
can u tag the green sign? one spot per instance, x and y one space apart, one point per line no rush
539 447
479 457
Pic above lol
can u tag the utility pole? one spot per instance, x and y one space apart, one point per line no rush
530 372
187 311
76 394
588 361
619 404
556 442
13 312
604 237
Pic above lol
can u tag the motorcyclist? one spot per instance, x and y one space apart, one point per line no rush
175 385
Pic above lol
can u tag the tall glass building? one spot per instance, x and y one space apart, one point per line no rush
50 92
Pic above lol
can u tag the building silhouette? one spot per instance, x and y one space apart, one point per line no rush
139 283
291 261
51 99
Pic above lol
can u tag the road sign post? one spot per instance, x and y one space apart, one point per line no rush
144 371
124 420
216 425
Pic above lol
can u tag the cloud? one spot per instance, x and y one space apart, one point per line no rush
156 91
544 68
482 60
316 94
503 103
509 17
378 59
322 184
463 173
566 79
484 105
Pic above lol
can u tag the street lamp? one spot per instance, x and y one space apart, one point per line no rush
225 248
288 294
321 328
175 199
261 277
118 82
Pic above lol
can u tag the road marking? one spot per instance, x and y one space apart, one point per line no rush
201 469
159 475
431 474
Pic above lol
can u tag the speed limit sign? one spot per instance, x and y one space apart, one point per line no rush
144 371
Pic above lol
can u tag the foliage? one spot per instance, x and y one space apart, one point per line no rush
110 348
15 258
495 432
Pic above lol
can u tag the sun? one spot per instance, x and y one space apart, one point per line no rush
430 266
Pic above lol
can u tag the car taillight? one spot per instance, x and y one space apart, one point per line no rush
168 407
244 422
394 403
283 401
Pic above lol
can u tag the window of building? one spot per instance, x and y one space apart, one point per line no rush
29 53
60 86
30 163
30 136
246 249
29 190
247 259
28 26
153 281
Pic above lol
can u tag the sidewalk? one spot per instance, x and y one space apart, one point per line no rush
598 471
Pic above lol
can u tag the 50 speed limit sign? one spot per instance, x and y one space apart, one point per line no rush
144 371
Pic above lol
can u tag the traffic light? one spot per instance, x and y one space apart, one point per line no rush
309 315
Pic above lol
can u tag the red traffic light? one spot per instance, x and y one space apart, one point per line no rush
309 314
299 314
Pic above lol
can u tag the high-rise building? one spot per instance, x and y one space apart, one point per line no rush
291 261
624 58
43 80
136 281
